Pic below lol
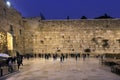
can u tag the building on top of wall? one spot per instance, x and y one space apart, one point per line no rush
12 24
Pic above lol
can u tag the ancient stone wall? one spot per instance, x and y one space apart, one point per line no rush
33 35
73 36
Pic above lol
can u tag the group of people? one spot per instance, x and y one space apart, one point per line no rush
11 61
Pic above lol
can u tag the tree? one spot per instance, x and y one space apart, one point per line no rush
68 17
42 16
105 16
83 17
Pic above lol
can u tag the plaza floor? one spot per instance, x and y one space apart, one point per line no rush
70 69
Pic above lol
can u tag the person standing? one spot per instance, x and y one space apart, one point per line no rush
18 62
10 65
84 56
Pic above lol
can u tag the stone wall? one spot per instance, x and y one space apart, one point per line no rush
72 36
33 35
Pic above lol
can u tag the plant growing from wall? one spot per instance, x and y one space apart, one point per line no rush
105 43
87 50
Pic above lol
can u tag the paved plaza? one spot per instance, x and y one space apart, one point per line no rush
70 69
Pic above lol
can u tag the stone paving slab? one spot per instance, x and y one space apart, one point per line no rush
70 69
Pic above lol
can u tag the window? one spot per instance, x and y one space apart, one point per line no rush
11 28
4 11
20 31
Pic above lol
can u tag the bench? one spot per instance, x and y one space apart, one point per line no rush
110 62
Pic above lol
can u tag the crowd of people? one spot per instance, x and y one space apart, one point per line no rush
64 56
19 58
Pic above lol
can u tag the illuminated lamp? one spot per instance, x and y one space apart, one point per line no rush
8 3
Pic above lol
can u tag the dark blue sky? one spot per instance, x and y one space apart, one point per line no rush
59 9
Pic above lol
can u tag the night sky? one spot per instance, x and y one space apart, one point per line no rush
60 9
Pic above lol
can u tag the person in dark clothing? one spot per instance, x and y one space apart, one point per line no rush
19 61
